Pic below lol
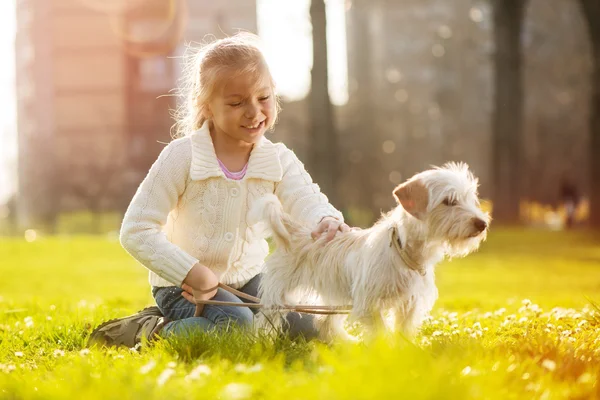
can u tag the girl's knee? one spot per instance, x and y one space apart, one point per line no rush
238 316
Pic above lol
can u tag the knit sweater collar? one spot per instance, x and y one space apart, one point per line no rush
263 163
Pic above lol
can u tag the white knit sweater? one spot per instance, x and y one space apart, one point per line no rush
186 211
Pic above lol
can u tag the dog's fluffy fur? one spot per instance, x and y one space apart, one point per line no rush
389 266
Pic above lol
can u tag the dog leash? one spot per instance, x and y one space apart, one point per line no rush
307 309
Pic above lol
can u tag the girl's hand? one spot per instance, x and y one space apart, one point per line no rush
330 226
200 284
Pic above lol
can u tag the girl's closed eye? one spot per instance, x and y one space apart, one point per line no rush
264 98
236 104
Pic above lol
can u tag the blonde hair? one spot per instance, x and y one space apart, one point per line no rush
206 67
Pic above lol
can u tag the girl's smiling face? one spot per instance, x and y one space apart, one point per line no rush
243 107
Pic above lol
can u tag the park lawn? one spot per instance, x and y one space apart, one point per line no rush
515 320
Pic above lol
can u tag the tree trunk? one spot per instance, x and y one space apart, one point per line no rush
591 10
508 109
323 157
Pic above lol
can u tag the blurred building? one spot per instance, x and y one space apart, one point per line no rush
90 75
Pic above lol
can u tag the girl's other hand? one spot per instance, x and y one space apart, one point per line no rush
330 226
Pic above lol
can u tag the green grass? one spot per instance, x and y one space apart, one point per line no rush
516 320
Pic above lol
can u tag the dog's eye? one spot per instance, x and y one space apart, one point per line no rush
449 202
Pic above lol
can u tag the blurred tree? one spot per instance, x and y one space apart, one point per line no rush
95 185
591 10
323 142
507 122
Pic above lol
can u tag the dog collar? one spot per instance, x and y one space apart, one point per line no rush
408 261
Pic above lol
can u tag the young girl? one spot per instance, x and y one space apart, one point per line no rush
188 221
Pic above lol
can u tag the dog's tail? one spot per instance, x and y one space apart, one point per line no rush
269 209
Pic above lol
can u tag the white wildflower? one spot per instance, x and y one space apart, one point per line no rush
164 376
237 391
549 365
148 367
201 369
18 354
586 377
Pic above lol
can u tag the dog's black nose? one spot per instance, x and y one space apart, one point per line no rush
480 224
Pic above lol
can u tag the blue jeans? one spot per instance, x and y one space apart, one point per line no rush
181 312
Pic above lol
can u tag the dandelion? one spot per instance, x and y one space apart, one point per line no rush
477 325
499 312
18 354
437 333
466 371
582 323
523 320
58 353
84 352
549 365
28 322
526 302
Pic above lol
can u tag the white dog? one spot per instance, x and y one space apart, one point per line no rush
388 267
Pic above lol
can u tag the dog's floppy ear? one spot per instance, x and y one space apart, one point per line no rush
414 197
